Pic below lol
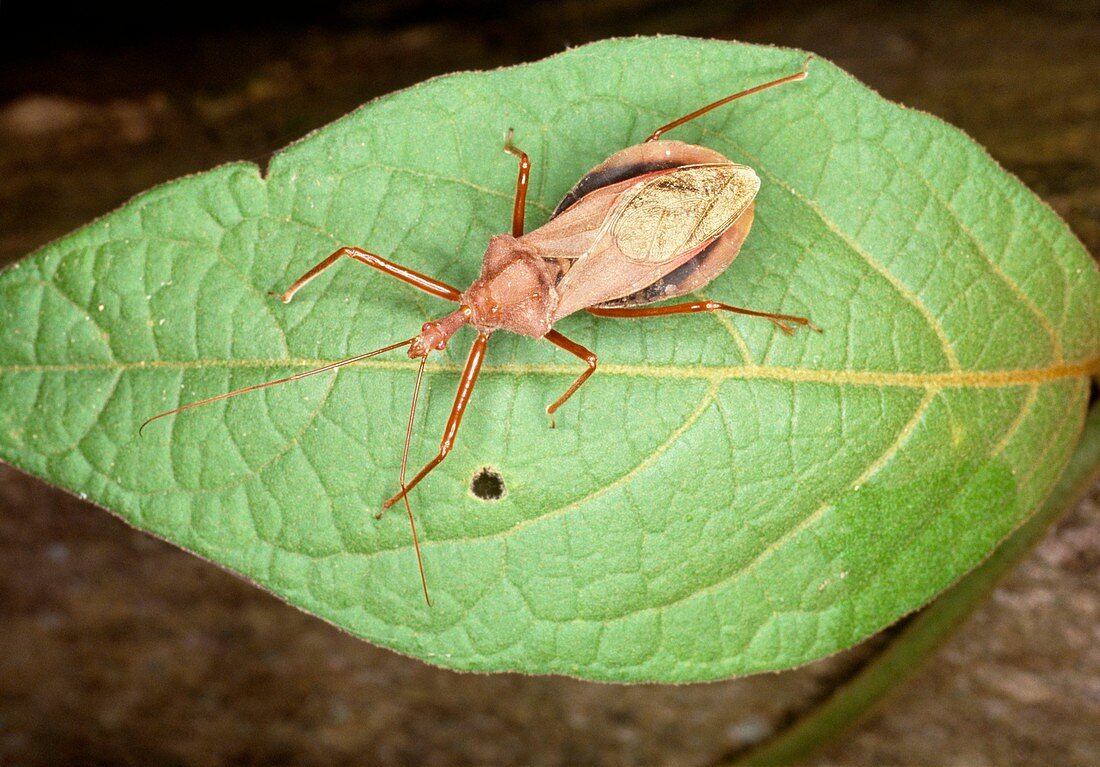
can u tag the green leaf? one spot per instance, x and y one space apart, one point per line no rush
718 499
922 637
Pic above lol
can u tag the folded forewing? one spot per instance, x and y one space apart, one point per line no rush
677 212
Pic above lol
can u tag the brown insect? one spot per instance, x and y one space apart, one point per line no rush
654 221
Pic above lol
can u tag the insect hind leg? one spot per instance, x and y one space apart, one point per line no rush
788 323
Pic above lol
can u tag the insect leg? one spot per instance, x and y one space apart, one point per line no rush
784 322
799 75
462 398
416 279
521 184
576 350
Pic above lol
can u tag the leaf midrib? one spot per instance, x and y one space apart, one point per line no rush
980 379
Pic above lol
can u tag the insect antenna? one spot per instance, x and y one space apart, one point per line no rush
288 379
401 480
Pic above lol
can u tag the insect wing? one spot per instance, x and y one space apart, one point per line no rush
676 213
654 226
574 233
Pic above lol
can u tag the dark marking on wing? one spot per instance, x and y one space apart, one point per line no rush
666 286
598 179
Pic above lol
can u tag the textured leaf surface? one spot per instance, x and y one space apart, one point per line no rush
719 499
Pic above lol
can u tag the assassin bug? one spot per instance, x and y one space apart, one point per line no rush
654 221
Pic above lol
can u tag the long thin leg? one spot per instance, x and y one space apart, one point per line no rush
576 350
799 75
521 184
416 279
462 398
782 321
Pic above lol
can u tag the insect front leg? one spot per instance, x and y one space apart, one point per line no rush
576 350
462 398
416 279
521 184
785 322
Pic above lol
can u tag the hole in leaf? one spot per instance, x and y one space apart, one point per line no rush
487 484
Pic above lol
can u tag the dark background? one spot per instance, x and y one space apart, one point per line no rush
119 649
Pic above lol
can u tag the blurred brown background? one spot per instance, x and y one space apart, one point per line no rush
117 649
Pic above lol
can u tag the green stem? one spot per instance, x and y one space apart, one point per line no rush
927 631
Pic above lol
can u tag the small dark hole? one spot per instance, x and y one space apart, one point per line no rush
487 485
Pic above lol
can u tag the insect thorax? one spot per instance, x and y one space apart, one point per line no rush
515 291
